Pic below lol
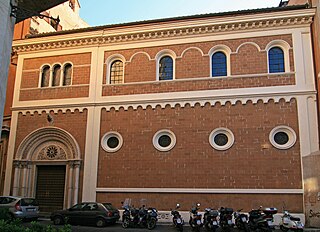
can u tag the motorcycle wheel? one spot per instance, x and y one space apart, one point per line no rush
283 228
125 223
246 227
195 228
151 224
266 229
226 228
180 227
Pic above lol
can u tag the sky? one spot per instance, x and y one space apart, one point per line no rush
104 12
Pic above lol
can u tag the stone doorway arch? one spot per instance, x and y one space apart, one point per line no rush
47 146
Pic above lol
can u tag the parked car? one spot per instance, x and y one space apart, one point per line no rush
87 213
20 207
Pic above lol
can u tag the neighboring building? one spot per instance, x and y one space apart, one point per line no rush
218 109
68 13
311 163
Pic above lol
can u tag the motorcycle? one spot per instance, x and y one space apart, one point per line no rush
142 217
226 218
289 222
262 219
177 218
210 219
241 220
195 218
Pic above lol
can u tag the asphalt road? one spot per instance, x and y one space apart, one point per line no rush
113 228
117 227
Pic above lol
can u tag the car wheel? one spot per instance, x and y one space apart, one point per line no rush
57 220
100 222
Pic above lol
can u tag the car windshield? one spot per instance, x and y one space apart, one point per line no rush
28 201
109 206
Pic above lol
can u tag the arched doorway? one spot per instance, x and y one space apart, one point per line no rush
47 166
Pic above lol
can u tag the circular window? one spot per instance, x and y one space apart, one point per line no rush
282 137
164 140
52 152
221 139
111 141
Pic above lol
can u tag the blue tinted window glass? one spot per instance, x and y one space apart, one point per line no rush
219 64
276 60
166 68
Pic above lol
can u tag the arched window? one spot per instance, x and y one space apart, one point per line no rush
45 76
219 64
276 60
166 68
67 73
116 72
56 73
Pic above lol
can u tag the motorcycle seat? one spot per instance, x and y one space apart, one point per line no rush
294 218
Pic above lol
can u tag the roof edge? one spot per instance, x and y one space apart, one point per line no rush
179 18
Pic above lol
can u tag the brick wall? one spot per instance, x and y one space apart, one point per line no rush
193 163
54 93
74 123
140 66
192 65
31 74
246 202
208 84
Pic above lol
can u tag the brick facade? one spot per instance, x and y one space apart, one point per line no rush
80 78
193 163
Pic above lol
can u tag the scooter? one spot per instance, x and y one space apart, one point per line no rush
195 218
210 219
289 222
241 220
142 217
177 218
226 219
262 219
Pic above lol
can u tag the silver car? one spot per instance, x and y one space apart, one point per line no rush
20 207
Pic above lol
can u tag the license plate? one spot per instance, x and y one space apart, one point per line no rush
31 210
178 220
214 223
243 219
198 222
229 222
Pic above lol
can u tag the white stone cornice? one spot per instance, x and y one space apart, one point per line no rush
164 102
198 190
189 28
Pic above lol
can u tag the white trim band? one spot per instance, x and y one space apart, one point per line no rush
196 190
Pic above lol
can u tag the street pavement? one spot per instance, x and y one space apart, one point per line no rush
117 227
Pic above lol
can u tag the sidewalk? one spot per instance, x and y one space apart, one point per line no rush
46 217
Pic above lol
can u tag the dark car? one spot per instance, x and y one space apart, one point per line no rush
87 213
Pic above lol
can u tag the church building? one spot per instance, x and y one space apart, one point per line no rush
215 108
